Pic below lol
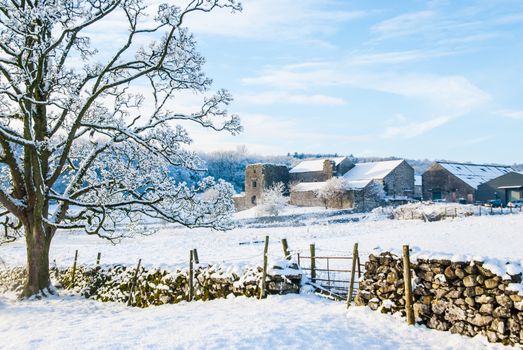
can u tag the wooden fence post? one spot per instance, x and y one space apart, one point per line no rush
359 265
313 262
408 285
195 256
191 273
98 257
480 210
73 273
133 285
285 247
352 274
264 273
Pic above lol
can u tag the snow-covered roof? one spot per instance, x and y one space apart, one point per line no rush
418 180
358 184
363 173
475 174
308 186
314 165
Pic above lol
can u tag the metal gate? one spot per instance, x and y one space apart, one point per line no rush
332 276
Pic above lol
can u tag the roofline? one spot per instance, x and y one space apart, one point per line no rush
450 173
474 164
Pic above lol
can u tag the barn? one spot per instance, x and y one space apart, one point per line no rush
458 182
507 188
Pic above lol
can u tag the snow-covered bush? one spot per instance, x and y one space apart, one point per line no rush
273 200
431 211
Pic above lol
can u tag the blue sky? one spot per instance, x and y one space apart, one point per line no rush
415 79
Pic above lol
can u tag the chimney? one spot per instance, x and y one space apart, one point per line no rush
328 168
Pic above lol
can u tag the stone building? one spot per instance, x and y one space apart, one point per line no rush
259 177
396 176
506 187
305 195
458 182
319 170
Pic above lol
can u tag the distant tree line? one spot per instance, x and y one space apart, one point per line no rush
230 165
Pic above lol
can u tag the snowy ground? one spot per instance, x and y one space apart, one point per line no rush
289 322
279 322
492 236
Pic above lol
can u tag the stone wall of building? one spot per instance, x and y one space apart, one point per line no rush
438 179
305 199
364 201
400 181
315 176
460 297
310 176
344 166
310 199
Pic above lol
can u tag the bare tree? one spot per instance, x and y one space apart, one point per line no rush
273 200
78 147
334 191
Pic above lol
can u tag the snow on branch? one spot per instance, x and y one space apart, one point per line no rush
89 140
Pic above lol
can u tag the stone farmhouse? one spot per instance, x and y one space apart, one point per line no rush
319 170
507 188
458 182
397 178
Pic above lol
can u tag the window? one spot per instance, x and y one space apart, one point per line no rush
254 183
253 199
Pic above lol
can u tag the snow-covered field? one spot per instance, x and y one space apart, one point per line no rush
492 236
279 322
304 321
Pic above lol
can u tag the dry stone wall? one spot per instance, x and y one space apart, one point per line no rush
461 297
157 287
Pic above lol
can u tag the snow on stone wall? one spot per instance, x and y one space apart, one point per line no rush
157 287
467 297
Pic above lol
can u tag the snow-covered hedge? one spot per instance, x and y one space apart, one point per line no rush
157 287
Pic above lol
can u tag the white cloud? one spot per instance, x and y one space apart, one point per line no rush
272 97
395 57
509 19
273 20
404 24
518 115
414 129
451 94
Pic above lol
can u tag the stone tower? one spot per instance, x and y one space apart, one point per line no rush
261 176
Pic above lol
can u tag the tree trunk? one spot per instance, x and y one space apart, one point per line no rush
37 263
